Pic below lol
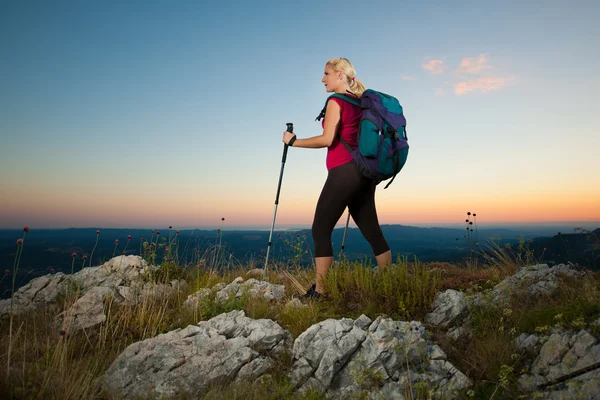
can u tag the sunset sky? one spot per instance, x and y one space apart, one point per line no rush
149 114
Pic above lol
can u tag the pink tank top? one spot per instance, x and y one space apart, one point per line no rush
337 153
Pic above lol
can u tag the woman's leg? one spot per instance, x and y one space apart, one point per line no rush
340 187
363 211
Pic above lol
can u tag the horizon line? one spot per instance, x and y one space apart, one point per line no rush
538 224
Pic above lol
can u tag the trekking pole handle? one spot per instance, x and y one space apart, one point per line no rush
290 128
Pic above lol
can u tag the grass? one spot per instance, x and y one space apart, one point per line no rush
46 362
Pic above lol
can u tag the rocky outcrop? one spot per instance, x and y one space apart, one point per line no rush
451 309
558 355
186 362
338 357
384 358
123 279
238 288
533 280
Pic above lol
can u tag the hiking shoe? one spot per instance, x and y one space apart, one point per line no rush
312 293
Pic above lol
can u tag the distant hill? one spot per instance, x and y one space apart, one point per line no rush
52 248
579 248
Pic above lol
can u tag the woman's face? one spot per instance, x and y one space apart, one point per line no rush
331 79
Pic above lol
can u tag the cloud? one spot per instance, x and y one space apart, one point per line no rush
436 67
408 78
474 65
482 85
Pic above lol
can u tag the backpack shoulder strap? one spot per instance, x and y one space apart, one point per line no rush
344 97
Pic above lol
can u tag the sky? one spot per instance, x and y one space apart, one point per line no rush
145 114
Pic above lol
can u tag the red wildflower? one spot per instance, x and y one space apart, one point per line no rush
26 229
19 242
85 258
97 232
128 237
74 255
51 270
116 241
170 227
6 272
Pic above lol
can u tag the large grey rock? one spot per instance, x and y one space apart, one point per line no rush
563 353
449 307
186 362
39 291
236 289
122 279
383 358
535 280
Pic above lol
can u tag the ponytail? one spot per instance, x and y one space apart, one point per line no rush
342 64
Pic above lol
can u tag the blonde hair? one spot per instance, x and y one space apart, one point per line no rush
341 64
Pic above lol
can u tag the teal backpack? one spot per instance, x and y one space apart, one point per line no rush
382 142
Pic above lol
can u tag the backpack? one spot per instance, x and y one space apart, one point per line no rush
382 142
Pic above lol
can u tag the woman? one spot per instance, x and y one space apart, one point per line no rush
345 185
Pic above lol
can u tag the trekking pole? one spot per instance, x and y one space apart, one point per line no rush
290 128
345 230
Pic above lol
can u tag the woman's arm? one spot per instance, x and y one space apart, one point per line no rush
332 120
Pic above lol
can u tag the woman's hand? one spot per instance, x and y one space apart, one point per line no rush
287 136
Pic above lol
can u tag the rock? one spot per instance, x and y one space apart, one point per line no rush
122 279
344 357
186 362
39 291
251 287
563 353
86 312
448 309
536 280
527 343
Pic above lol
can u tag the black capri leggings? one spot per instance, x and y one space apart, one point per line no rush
345 186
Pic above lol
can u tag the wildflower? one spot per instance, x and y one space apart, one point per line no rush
170 227
51 270
218 231
128 237
123 253
74 255
278 235
158 232
97 232
62 333
466 220
474 214
85 258
153 231
470 222
19 242
166 250
6 272
177 232
116 241
26 229
469 213
223 219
